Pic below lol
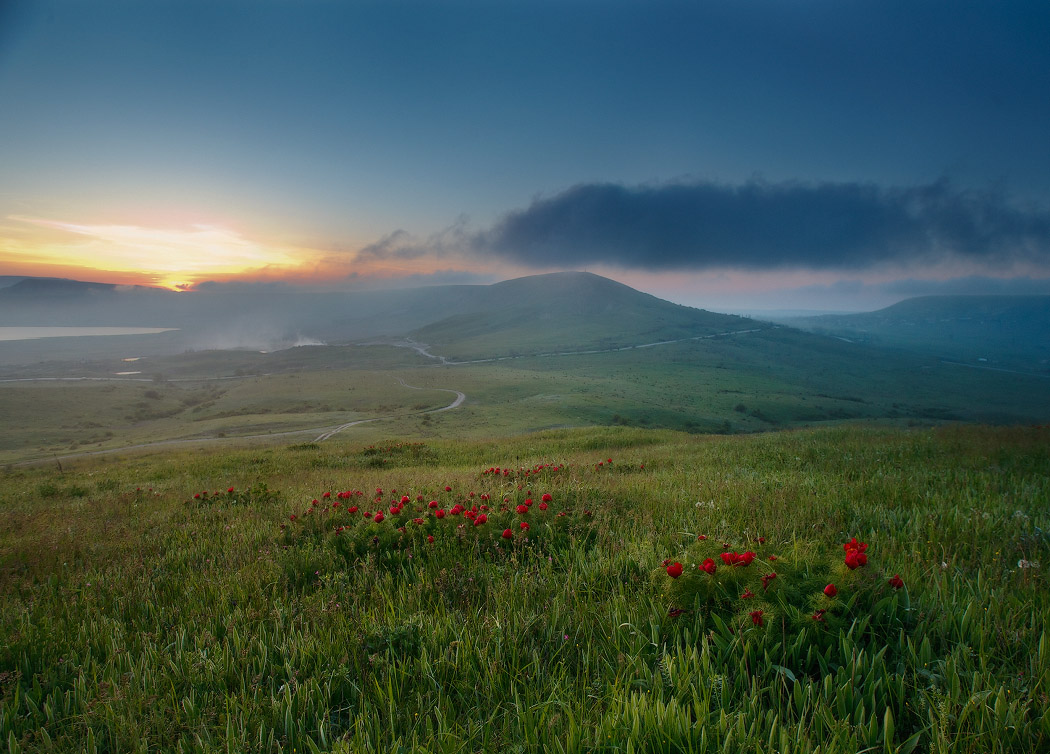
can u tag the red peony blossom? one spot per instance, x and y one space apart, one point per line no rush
766 579
430 538
439 513
379 518
405 499
327 494
508 534
447 488
855 559
748 594
522 509
674 612
853 544
896 582
417 521
432 504
543 506
291 517
482 518
701 537
352 509
230 490
546 497
524 525
674 570
756 617
737 558
761 540
831 590
708 566
819 615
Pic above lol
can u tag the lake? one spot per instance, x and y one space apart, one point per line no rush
33 333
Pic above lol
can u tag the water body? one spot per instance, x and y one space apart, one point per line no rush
34 333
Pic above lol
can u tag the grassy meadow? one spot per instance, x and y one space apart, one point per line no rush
199 599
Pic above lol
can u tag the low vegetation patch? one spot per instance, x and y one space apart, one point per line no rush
604 590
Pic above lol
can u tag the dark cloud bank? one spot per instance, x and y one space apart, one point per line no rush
764 225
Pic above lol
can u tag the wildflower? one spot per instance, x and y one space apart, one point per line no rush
855 559
524 525
756 617
417 521
674 612
737 559
766 579
430 538
508 534
546 498
819 615
432 504
439 513
674 570
379 518
230 490
482 518
772 558
748 594
896 582
1024 565
543 506
522 509
853 544
831 590
448 488
701 537
761 540
291 517
708 566
327 494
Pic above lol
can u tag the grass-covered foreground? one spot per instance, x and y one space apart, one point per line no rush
205 602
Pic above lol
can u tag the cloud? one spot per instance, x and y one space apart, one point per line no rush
760 225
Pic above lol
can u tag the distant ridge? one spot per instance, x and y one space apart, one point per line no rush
1004 331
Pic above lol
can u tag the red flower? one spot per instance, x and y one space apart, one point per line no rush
831 590
430 538
756 617
896 582
761 540
819 615
417 521
522 509
405 499
327 494
352 509
737 558
230 490
447 488
674 570
772 558
432 504
853 544
507 534
543 506
766 579
701 537
748 594
524 525
546 497
291 517
482 518
439 513
708 565
855 559
674 612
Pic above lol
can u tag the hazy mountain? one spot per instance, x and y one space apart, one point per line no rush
564 311
996 331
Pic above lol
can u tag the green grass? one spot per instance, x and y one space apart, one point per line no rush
136 617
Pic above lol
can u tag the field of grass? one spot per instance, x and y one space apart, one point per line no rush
199 600
772 379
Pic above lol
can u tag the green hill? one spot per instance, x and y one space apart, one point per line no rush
1010 332
567 311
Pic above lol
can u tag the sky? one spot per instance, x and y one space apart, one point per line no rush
729 154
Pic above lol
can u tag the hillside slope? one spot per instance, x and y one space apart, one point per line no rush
1010 332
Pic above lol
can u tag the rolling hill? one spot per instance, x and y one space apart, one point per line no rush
1008 332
